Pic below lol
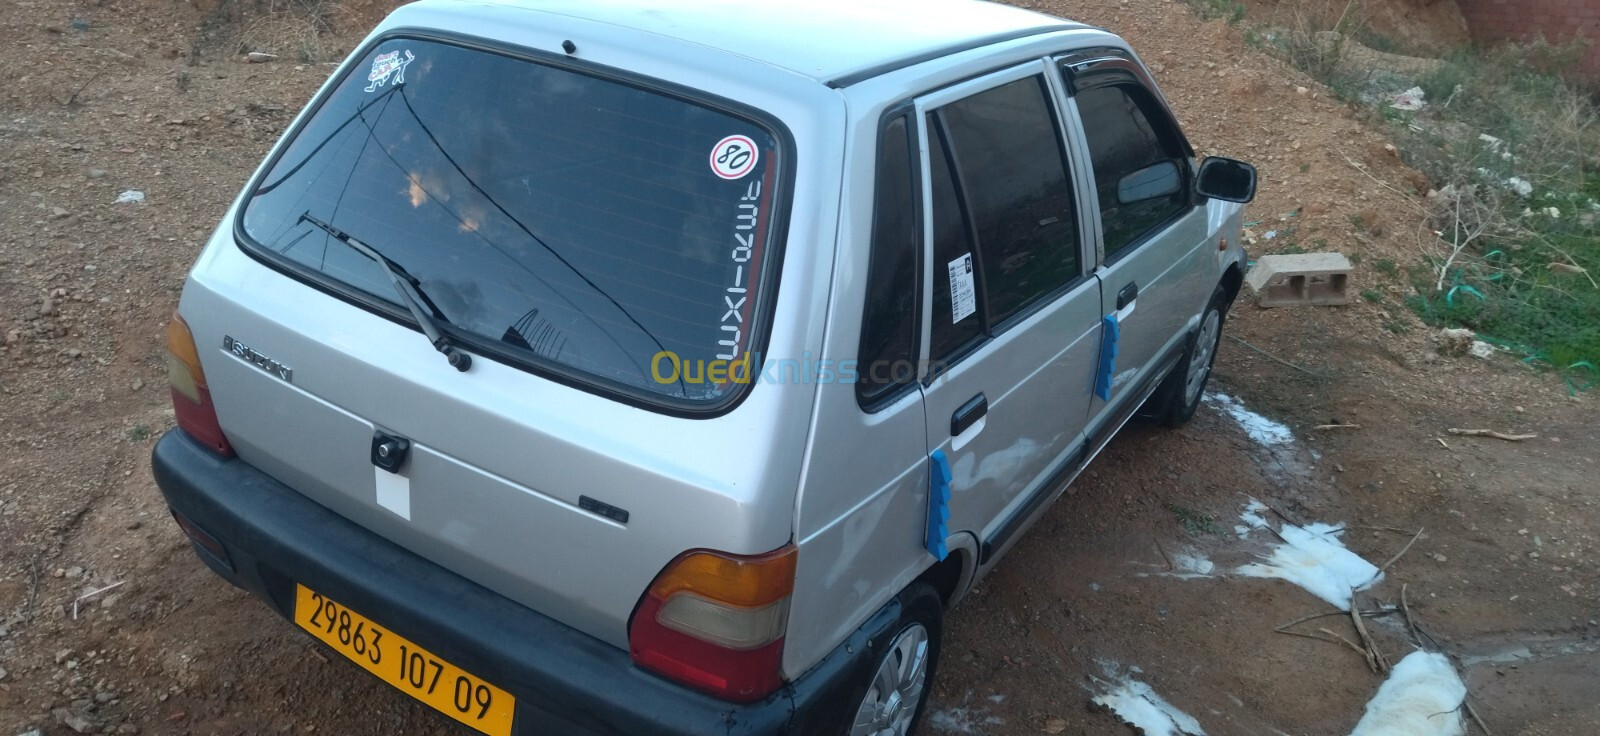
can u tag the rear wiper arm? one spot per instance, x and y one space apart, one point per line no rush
407 286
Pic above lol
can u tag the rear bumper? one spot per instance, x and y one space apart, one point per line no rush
565 681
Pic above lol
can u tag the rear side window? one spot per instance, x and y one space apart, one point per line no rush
1014 178
889 327
1141 171
615 234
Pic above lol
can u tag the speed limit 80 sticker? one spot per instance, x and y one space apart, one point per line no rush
734 157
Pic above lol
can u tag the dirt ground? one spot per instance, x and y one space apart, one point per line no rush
101 97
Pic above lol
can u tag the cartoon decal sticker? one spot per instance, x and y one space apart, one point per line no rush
734 156
388 64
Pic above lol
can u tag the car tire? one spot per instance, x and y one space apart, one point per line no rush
1174 403
903 668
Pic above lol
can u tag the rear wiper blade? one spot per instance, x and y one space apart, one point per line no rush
409 289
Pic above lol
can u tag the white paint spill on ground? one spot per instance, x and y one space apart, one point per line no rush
964 720
1261 429
1422 697
1139 706
1313 558
1190 564
1252 518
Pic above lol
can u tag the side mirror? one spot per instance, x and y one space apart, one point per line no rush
1226 179
1160 179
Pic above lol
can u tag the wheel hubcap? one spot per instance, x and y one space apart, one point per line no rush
1205 346
896 691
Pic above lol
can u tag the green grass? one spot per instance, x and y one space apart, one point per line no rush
1376 297
1193 521
1229 10
1387 267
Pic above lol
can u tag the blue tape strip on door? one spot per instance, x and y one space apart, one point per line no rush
938 528
1108 356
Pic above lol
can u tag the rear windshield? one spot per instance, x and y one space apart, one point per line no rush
611 232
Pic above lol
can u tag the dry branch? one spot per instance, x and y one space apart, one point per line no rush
1491 433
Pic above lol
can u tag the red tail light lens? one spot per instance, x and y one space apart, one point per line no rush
191 400
715 622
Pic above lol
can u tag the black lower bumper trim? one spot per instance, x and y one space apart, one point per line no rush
565 681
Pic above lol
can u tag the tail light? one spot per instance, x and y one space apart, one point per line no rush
191 400
715 622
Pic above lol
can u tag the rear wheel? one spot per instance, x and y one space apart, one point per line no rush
1174 403
893 700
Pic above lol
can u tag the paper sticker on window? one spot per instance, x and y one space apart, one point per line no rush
734 156
963 296
388 65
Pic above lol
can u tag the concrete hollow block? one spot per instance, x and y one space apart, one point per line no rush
1301 280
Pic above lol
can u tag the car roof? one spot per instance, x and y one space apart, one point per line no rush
832 41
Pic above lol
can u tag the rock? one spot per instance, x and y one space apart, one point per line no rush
127 728
32 732
131 196
1481 350
13 337
1439 557
1302 90
97 173
58 213
74 353
1057 725
78 722
2 673
47 308
75 572
104 696
138 383
1455 341
260 57
110 601
61 655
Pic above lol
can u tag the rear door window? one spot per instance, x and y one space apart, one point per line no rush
1013 176
608 231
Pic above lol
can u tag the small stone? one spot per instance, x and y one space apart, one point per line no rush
78 722
59 572
47 307
1302 90
138 383
1055 725
104 696
31 732
135 524
1518 409
58 213
97 173
260 57
1439 558
127 728
74 353
2 673
74 572
110 600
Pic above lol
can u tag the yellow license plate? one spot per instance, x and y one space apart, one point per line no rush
417 672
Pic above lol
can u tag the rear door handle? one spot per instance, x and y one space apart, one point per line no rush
1128 294
968 414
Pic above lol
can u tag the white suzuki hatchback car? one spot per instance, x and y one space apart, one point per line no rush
626 368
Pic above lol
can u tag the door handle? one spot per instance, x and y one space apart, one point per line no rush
968 414
1128 294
